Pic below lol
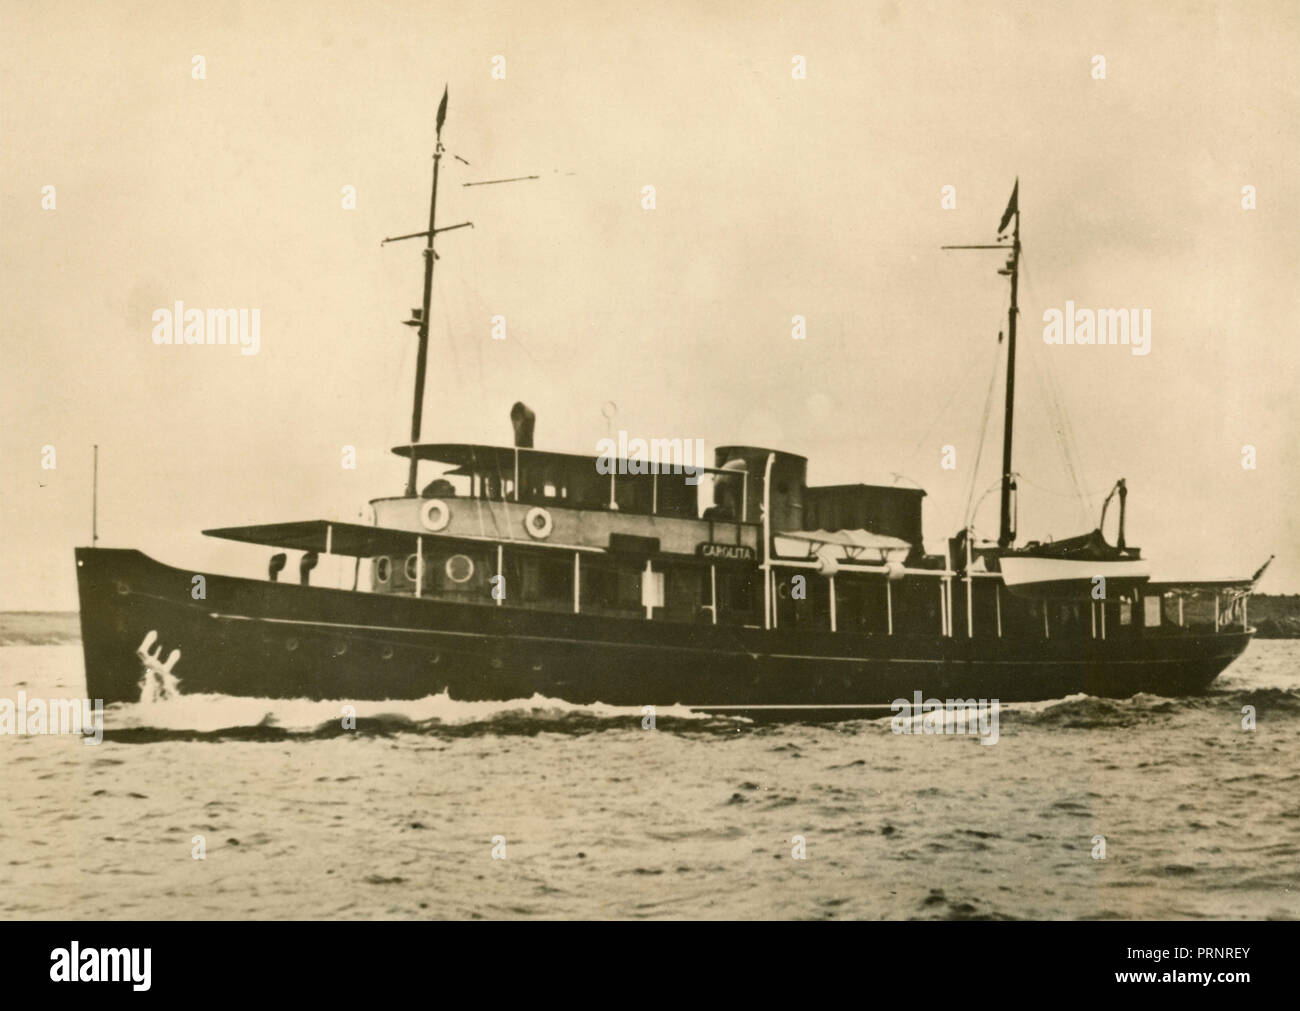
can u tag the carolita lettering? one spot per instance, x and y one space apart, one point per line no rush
727 552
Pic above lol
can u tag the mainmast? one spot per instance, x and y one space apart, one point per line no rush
1006 532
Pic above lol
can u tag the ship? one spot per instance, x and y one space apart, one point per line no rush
507 572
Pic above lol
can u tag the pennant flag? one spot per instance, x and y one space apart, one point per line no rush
1012 206
442 109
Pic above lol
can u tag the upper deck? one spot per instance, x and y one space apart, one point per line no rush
576 501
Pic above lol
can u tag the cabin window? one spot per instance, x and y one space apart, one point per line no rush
586 488
383 569
676 497
1151 612
860 605
547 582
917 609
984 607
1125 611
738 595
685 591
1022 618
634 493
802 600
495 487
412 568
1069 621
611 589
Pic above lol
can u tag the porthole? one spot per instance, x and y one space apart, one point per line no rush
122 588
459 568
290 644
383 569
412 567
386 653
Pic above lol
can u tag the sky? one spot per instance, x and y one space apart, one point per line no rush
775 196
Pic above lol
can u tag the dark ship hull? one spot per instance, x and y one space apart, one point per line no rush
279 640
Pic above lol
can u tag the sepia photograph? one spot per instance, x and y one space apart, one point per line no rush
710 461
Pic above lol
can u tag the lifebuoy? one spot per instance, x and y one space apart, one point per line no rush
435 514
538 523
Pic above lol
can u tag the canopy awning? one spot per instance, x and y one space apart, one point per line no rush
323 537
468 458
842 545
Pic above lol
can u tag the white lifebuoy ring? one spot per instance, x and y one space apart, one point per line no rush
538 523
435 514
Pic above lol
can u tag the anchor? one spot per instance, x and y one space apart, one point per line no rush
152 658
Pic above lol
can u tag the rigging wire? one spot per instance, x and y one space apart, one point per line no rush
976 353
1056 422
984 424
1063 429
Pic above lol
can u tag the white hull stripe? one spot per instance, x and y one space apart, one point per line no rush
690 649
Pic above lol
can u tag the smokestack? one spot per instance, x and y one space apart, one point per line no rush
522 418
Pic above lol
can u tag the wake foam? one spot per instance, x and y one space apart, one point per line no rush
189 717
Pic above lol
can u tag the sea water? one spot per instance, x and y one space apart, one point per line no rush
198 807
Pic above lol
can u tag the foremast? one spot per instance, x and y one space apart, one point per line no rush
422 319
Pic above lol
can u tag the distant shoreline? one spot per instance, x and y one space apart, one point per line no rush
1275 616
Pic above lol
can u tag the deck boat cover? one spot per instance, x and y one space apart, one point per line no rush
842 545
